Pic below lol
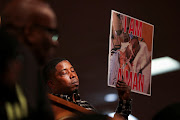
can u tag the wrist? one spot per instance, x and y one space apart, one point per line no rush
125 96
124 107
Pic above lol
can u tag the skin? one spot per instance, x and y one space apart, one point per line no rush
122 61
135 46
117 25
43 46
20 19
64 80
124 90
41 39
26 17
132 50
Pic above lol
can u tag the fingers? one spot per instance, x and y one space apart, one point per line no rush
120 81
129 88
122 89
121 84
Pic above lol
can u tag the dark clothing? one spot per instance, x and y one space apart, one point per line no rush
29 81
33 86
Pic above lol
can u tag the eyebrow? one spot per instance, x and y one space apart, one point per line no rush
71 67
66 69
63 69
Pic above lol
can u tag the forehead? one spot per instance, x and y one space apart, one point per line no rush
63 65
46 17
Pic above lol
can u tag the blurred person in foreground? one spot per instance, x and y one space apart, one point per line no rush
62 81
31 25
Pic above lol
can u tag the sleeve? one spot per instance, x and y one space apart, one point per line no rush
124 108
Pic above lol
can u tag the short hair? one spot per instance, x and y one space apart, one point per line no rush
50 67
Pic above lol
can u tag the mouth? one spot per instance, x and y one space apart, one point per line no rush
75 82
75 85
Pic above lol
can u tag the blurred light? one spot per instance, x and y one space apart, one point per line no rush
55 38
111 114
164 65
130 117
110 97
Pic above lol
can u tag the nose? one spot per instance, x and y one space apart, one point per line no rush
72 75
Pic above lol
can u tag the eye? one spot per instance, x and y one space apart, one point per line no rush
64 72
72 70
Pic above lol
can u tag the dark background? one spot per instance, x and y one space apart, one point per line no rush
84 28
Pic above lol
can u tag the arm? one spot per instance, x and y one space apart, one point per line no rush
124 107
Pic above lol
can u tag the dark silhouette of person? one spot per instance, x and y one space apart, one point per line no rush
31 25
